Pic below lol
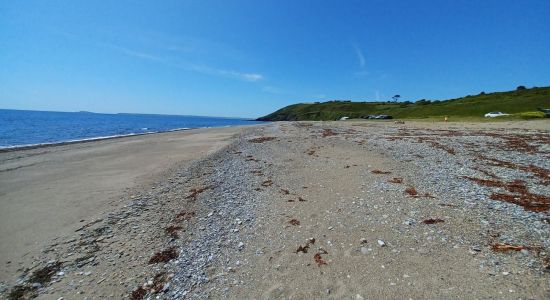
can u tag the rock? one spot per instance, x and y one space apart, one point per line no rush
363 240
381 243
36 285
359 297
409 222
240 246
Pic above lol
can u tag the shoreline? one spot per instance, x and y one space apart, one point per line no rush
101 138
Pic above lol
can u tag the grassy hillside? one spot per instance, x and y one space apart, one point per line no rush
513 102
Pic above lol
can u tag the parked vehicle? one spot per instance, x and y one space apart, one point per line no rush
546 111
495 114
377 117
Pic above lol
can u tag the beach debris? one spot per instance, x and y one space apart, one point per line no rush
411 191
310 152
328 132
301 199
184 215
138 294
251 158
285 191
396 180
506 248
521 195
195 192
432 221
294 222
37 279
164 256
172 231
267 183
158 282
304 248
376 171
319 260
262 139
363 241
257 172
529 201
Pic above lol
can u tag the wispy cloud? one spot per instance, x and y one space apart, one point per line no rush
163 53
273 90
251 77
359 54
133 53
204 69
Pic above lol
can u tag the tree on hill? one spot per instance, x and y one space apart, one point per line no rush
396 97
521 88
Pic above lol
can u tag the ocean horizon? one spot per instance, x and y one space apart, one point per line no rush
23 128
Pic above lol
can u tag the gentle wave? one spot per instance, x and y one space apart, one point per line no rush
20 128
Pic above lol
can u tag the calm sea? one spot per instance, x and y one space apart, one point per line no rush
26 127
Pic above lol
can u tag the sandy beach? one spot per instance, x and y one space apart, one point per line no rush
48 192
301 210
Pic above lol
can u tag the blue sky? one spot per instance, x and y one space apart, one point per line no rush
249 58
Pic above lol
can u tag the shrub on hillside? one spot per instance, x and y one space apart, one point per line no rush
531 115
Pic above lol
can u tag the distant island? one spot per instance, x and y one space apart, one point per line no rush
522 103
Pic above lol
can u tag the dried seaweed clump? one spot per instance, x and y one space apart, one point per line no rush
262 139
195 192
411 191
138 294
294 222
376 171
184 215
396 180
304 248
328 132
432 221
164 256
319 260
172 231
506 248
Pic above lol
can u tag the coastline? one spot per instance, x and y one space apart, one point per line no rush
100 138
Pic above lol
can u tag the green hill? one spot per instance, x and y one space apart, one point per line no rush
513 102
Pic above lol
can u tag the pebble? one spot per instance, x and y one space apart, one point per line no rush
381 243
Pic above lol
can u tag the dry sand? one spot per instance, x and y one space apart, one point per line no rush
47 192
